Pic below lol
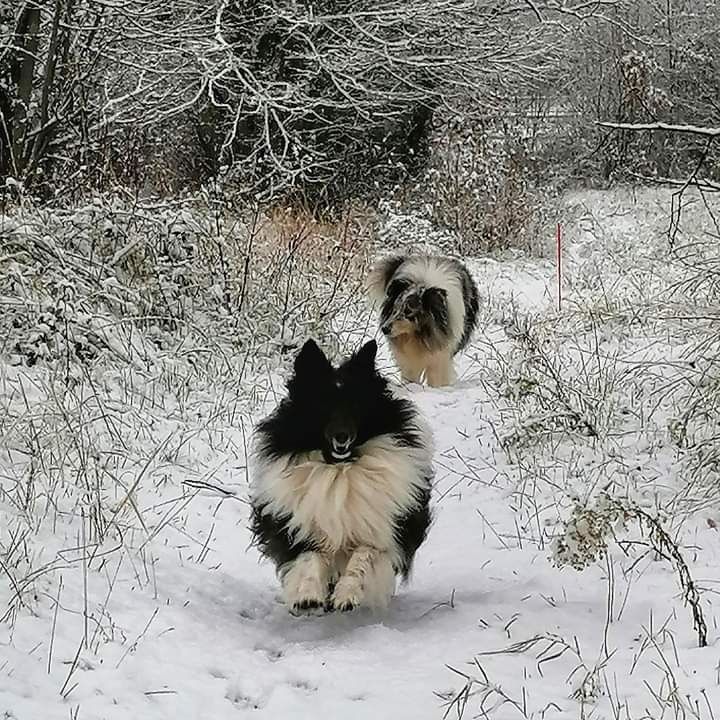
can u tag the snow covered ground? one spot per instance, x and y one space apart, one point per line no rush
173 616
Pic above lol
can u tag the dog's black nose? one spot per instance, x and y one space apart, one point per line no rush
341 438
386 329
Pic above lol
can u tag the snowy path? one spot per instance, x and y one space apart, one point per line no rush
220 643
192 627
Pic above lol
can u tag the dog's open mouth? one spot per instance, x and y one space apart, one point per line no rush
346 455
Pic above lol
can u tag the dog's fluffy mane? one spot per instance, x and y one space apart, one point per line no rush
303 504
448 275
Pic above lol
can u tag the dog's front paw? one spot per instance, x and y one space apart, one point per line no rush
308 606
308 599
304 593
348 594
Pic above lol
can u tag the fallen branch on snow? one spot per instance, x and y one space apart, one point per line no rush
643 127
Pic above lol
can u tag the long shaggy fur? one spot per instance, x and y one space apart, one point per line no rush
428 310
341 486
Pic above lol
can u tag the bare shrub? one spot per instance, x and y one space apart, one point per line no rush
316 104
481 189
586 534
572 389
636 62
481 184
341 99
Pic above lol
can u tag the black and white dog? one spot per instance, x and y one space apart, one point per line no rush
341 487
428 310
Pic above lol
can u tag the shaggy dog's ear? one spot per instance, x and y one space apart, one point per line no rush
434 298
311 359
381 274
365 356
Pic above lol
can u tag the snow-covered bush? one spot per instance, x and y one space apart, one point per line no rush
83 277
481 187
549 388
586 534
56 329
609 74
318 103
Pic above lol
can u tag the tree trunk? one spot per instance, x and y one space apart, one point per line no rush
22 72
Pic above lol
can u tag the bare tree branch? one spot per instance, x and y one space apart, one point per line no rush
643 127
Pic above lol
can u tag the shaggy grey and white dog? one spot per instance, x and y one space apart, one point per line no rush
428 311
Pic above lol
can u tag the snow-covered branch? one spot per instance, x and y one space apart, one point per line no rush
649 127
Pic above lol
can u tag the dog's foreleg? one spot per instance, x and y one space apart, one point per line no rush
409 361
440 371
305 582
369 578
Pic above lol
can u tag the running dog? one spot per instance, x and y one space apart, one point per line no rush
341 486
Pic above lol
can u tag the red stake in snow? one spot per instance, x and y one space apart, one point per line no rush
559 267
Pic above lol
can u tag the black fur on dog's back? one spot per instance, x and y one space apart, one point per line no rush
471 301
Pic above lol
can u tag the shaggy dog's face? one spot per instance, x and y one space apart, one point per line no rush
336 410
412 310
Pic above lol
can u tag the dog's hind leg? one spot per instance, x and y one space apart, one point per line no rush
440 371
305 582
368 579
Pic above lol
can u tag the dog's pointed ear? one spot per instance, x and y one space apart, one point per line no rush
365 356
311 359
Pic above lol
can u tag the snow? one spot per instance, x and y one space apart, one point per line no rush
173 616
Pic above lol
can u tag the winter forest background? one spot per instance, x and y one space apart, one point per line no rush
189 190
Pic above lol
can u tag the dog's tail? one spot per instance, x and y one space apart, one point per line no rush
381 274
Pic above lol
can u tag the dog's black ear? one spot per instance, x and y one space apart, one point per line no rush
434 301
434 298
365 356
311 359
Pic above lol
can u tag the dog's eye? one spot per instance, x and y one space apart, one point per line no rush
413 302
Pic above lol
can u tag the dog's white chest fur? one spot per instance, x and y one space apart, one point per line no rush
345 505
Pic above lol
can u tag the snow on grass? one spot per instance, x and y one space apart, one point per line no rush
128 588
